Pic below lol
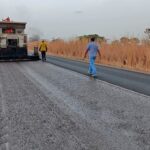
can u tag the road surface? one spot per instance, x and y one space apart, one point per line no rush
130 80
45 107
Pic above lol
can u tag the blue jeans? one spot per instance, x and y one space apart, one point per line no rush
92 67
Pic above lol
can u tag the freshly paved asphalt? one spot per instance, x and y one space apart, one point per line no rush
134 81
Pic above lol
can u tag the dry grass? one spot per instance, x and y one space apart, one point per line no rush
129 55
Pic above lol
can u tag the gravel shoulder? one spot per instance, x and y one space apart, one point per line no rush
48 107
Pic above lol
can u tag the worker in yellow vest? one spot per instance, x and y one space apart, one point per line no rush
43 50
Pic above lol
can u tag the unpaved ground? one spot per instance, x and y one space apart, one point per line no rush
44 107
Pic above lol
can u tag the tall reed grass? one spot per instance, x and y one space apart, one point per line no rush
125 54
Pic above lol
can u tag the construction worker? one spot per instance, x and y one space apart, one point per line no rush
92 50
43 50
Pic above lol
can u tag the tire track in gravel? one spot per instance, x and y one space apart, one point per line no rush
114 112
4 129
36 122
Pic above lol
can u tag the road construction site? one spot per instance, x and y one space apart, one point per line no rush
46 107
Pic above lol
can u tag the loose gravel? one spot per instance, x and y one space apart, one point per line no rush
44 107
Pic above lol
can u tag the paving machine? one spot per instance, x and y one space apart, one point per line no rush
13 41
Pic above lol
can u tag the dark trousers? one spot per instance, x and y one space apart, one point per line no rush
43 54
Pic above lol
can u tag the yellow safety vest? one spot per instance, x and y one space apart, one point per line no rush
43 47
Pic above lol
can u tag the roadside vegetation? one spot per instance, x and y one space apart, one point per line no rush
129 53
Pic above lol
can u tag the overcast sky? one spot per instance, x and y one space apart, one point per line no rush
70 18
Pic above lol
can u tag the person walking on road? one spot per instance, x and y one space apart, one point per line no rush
43 50
92 50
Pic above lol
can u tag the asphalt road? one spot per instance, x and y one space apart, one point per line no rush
45 107
134 81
